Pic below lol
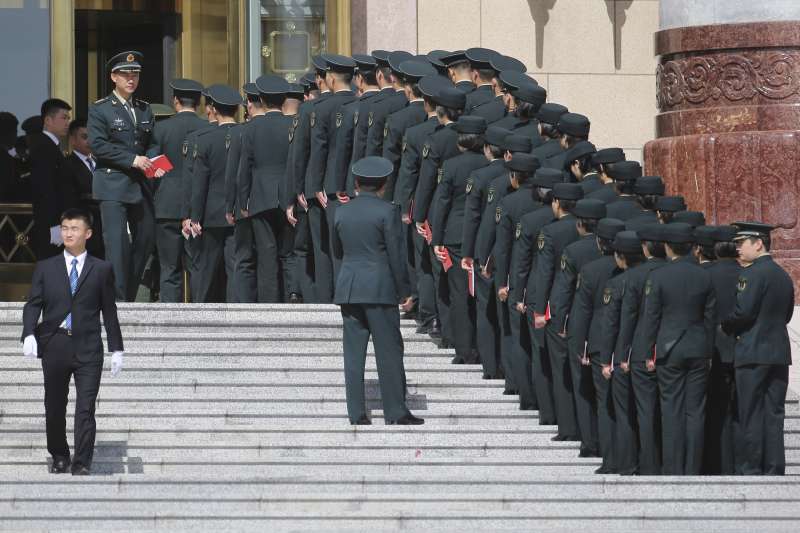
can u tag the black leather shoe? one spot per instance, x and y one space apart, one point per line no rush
409 315
363 421
445 344
510 392
80 470
528 408
295 298
547 422
458 360
406 420
604 470
474 358
60 465
559 438
589 453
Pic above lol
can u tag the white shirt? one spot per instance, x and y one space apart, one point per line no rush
88 160
127 105
68 257
52 137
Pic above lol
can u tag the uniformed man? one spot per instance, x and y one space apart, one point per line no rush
261 173
512 207
573 128
628 255
404 193
722 422
693 218
447 227
574 257
625 174
522 97
477 190
368 240
667 206
487 99
585 332
215 247
170 138
324 187
294 97
578 167
608 190
679 324
550 243
523 286
244 282
391 102
549 114
397 122
458 70
440 146
764 307
120 129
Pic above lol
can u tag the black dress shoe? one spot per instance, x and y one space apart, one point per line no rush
80 470
547 422
445 344
510 392
589 453
457 360
60 465
295 298
604 470
474 358
435 332
560 438
406 420
409 315
363 421
424 329
528 408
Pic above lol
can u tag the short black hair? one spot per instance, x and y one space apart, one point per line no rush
525 110
589 225
485 74
370 76
370 187
51 106
665 216
495 150
472 142
76 124
73 213
549 131
606 246
681 248
254 98
625 186
273 101
187 100
655 248
726 250
450 112
386 71
648 201
226 110
707 252
543 194
632 259
344 77
8 129
584 163
415 90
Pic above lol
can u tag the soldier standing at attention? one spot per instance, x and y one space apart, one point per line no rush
764 306
170 138
372 281
120 129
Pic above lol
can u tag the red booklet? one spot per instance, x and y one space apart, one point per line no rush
471 282
447 264
159 161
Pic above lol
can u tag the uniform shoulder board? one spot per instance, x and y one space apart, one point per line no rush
607 296
519 230
142 104
498 213
470 184
102 100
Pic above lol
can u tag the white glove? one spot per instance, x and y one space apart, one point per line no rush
29 348
116 363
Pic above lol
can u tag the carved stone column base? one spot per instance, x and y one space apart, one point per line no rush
728 132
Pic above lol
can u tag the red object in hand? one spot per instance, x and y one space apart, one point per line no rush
447 261
158 162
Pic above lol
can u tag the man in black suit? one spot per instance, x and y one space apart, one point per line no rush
69 291
762 353
51 179
81 163
368 240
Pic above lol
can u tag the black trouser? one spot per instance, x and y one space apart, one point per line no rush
245 279
505 341
626 445
215 248
560 365
411 258
722 421
128 254
486 325
382 323
323 255
304 258
520 360
542 373
95 245
288 260
442 292
426 293
462 308
268 231
605 415
170 246
648 418
59 364
682 387
762 396
40 239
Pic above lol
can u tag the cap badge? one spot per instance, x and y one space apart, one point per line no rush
130 58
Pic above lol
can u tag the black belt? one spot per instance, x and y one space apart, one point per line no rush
65 331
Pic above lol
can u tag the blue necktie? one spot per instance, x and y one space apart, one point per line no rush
73 286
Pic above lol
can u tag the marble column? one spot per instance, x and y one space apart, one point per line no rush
728 128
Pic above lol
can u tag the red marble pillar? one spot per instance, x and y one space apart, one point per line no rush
728 128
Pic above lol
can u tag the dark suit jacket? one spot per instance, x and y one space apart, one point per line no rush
51 299
82 177
679 311
262 170
451 193
52 181
370 243
764 306
208 180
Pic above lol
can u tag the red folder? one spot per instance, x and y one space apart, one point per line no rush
471 282
428 233
447 264
159 162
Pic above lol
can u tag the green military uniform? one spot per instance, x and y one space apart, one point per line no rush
170 138
118 132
